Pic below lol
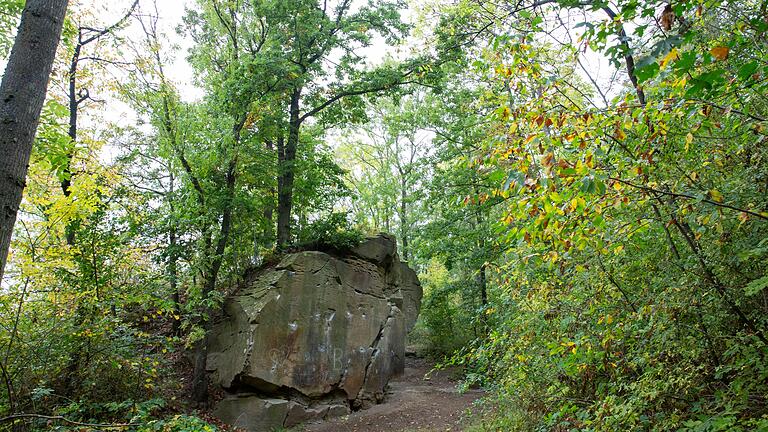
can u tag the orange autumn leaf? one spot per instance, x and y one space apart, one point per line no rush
720 52
620 135
548 160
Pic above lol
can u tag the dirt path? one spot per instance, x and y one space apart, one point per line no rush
414 403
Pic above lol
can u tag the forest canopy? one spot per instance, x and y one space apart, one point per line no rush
581 186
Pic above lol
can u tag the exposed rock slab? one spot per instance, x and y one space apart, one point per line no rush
314 336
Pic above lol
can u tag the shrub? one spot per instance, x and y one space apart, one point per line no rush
333 233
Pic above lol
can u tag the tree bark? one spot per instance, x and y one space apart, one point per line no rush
200 379
286 162
74 102
268 234
76 97
173 272
22 94
404 214
629 59
200 374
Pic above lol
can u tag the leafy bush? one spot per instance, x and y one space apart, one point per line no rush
446 320
145 416
179 423
334 233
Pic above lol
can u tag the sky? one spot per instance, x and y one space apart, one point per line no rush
171 14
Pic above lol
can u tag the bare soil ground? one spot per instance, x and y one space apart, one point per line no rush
420 400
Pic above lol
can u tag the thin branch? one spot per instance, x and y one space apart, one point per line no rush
682 195
65 420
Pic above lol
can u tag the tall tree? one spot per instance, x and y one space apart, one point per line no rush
313 33
86 35
387 161
22 94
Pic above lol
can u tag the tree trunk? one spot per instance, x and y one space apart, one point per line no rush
200 378
22 94
286 163
173 276
200 375
66 182
404 215
483 287
268 235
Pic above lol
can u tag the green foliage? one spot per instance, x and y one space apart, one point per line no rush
146 416
333 233
178 423
444 322
10 11
593 249
632 230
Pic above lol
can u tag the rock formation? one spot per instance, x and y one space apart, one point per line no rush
314 337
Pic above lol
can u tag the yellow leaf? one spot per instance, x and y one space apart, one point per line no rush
574 204
505 112
720 52
530 138
716 195
743 217
672 55
609 319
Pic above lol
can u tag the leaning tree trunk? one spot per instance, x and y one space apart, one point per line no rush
22 94
200 374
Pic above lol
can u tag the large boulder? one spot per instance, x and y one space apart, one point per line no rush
313 337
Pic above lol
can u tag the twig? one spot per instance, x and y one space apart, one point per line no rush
682 195
65 420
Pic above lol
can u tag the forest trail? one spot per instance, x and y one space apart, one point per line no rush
419 400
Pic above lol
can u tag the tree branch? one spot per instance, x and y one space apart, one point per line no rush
682 195
65 420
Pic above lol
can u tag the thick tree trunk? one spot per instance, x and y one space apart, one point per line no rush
22 94
268 234
286 163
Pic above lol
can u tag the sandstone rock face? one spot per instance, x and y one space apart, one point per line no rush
314 337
